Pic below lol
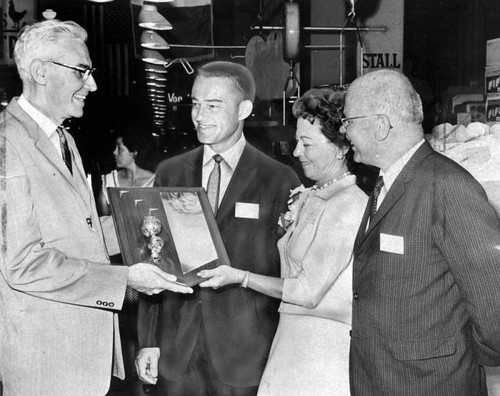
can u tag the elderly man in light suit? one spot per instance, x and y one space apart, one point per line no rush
57 289
426 274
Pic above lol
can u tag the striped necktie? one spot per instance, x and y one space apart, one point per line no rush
374 195
66 152
213 186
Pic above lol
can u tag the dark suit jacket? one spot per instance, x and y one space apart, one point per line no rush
238 324
425 320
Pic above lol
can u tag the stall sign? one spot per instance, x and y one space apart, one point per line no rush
384 50
382 60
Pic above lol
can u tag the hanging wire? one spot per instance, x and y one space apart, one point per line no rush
350 20
352 13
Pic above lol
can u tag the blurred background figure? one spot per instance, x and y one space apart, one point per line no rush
132 157
310 352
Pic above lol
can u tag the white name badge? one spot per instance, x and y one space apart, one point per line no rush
246 210
392 243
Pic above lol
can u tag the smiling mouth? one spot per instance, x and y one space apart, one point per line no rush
80 98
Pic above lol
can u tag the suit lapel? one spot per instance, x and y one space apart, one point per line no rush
193 167
395 193
243 174
43 144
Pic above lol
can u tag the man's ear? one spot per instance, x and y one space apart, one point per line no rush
38 71
245 109
383 128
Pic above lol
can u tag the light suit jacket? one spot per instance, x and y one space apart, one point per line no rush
426 283
239 324
55 336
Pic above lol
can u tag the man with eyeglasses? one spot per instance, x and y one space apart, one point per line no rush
426 274
58 293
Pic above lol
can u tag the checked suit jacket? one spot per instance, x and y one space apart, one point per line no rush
239 324
426 283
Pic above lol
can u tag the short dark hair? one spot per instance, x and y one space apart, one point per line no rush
134 138
238 74
325 104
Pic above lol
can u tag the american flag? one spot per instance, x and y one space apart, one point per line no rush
111 45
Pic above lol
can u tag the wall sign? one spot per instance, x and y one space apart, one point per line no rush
381 60
384 49
15 15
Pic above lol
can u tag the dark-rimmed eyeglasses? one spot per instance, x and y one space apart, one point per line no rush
346 121
85 72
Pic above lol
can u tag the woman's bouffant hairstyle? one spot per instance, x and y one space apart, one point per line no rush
134 138
325 105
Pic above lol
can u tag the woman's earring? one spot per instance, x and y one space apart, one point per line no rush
340 155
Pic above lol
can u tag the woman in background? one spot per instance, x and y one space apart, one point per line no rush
130 153
310 351
130 149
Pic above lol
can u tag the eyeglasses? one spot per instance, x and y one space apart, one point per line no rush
85 72
346 121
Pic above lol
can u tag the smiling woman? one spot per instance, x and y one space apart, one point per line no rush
310 351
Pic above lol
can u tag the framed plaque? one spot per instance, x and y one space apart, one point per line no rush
172 227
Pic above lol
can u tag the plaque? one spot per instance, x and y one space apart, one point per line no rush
171 227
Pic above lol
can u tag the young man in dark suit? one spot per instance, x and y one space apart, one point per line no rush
216 342
426 305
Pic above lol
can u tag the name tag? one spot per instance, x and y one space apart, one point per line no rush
246 210
392 243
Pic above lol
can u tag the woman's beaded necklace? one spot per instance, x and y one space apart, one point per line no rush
316 188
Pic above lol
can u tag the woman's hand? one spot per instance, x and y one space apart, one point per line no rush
221 276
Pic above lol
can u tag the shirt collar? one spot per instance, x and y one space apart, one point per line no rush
42 120
231 156
395 169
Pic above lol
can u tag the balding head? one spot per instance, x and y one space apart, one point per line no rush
241 77
387 92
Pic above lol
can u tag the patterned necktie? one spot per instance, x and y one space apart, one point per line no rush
213 186
374 195
66 153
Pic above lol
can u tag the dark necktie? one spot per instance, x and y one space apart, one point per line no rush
374 195
66 153
213 186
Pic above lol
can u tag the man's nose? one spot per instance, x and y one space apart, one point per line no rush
198 113
90 84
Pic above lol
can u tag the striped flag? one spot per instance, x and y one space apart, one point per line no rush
110 42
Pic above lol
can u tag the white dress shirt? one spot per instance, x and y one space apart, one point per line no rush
230 157
394 170
47 126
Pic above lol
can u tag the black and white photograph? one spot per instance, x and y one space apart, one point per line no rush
249 197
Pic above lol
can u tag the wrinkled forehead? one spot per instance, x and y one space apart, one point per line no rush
71 50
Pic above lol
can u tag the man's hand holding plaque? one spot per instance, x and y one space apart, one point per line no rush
146 277
149 279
